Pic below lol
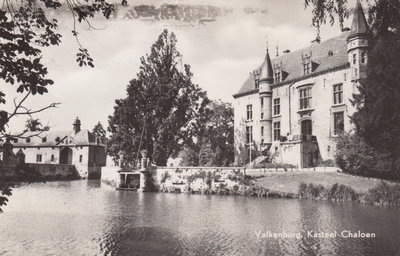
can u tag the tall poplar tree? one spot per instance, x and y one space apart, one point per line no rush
160 109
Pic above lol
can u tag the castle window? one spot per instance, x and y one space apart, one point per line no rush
338 120
337 94
277 130
57 139
363 57
262 107
38 158
80 158
249 112
44 139
305 97
15 140
277 106
354 58
28 140
52 158
249 134
262 130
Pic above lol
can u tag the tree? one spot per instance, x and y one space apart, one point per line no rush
377 119
213 145
160 108
99 131
25 29
383 15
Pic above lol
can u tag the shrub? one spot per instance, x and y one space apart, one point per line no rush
355 156
384 194
341 193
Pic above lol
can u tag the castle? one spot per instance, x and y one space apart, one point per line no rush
78 148
294 106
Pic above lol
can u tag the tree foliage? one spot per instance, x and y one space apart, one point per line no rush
99 131
160 108
213 144
377 119
25 29
383 15
376 144
355 156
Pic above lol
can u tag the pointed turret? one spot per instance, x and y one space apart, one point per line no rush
266 75
358 44
265 92
359 25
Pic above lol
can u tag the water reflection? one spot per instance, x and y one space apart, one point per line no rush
89 218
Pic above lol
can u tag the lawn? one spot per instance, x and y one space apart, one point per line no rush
289 182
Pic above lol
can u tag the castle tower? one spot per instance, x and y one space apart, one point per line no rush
265 92
357 44
77 125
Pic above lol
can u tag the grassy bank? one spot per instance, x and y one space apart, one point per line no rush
332 186
290 182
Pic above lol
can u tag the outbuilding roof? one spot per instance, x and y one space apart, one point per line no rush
57 138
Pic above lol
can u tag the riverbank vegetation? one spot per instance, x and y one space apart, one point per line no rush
336 187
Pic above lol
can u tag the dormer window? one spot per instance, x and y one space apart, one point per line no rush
307 68
308 65
57 139
354 59
277 76
256 75
278 73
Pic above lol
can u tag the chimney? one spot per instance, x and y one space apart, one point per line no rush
77 125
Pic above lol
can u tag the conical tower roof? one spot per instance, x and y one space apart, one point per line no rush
266 70
359 25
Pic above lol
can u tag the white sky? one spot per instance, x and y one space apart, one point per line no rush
221 54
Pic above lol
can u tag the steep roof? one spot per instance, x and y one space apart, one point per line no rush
58 138
359 24
325 56
266 70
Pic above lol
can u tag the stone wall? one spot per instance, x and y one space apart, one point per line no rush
178 176
38 172
53 170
